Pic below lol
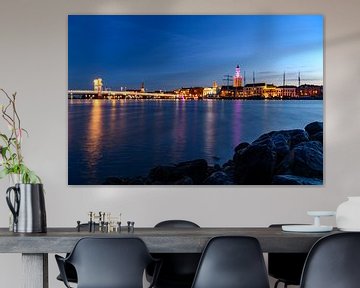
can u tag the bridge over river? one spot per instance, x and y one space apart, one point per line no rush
91 94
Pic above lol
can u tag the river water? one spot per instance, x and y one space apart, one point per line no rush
127 138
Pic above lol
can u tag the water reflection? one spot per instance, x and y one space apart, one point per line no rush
92 145
127 138
209 131
237 123
179 128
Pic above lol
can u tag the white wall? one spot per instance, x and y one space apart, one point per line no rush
33 62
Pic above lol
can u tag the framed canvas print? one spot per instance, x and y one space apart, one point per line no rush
195 99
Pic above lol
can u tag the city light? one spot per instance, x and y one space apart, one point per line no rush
260 90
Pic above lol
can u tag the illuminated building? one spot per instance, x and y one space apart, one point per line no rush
229 91
254 90
308 90
98 85
270 91
237 77
211 91
142 89
196 92
261 90
184 93
288 91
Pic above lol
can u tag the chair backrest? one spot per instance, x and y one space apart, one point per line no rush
110 262
286 267
333 262
232 262
178 269
176 224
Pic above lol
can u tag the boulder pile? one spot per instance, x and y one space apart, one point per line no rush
286 157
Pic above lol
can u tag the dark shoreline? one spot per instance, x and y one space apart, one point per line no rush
285 157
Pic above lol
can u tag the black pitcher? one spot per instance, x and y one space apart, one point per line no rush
28 207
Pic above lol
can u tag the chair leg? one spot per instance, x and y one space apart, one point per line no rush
278 282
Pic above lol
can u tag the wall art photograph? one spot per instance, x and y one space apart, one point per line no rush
195 99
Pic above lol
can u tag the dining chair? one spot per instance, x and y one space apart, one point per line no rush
69 269
232 262
285 267
178 269
333 262
108 263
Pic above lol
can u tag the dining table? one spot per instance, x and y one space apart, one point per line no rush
35 247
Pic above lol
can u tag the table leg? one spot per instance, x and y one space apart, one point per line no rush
35 270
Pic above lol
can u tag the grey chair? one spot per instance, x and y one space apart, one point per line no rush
333 262
70 271
108 263
286 267
178 269
232 262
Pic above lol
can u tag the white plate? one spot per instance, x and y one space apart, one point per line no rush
350 229
306 228
321 213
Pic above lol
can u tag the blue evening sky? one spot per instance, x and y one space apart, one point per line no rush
173 51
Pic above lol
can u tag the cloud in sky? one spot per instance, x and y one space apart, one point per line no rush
172 51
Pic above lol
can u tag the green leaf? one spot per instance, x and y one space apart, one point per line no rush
33 178
27 175
4 173
4 137
26 132
3 151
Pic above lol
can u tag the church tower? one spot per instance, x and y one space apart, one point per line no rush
237 77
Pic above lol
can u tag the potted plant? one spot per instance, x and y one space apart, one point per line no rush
26 197
11 158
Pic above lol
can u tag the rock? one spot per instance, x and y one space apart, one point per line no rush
295 180
314 127
308 159
265 139
195 169
186 180
210 170
136 181
241 146
280 144
282 141
230 171
292 137
229 168
229 163
125 181
164 174
154 182
298 136
113 181
217 167
218 178
239 149
319 136
292 152
255 165
305 160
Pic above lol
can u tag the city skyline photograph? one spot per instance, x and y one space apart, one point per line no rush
195 100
